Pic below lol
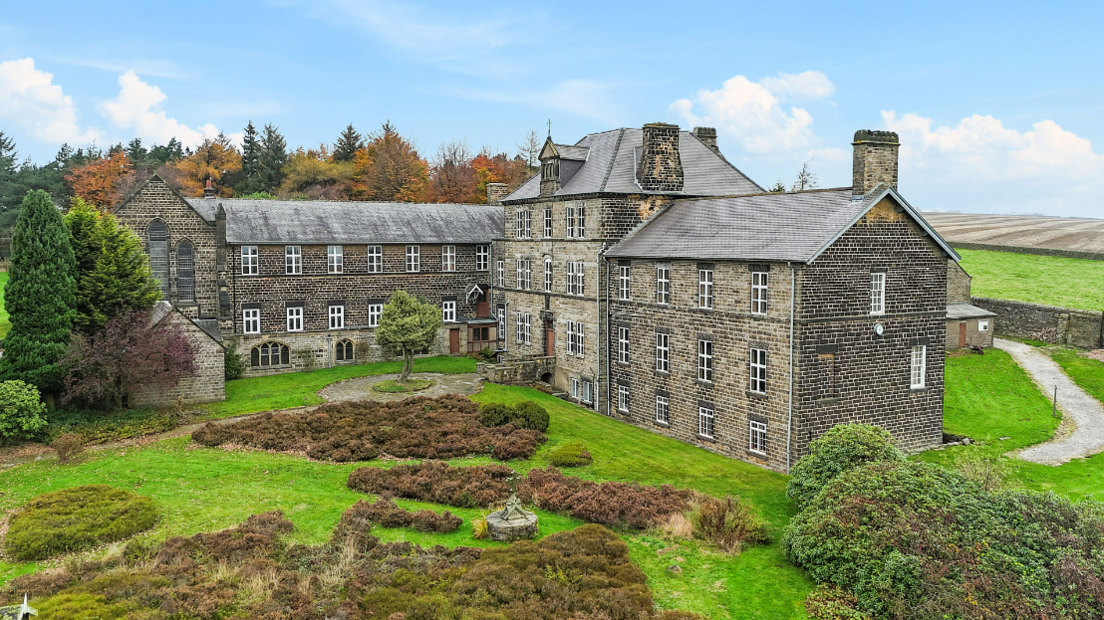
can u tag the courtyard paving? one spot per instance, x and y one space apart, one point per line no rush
1084 412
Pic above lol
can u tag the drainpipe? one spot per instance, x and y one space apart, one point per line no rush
606 341
598 337
789 422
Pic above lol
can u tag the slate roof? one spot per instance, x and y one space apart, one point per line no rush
320 222
967 311
795 226
611 168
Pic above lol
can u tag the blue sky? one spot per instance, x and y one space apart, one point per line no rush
1000 106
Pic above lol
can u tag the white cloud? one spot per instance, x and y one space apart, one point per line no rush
1044 170
807 85
751 114
138 107
28 97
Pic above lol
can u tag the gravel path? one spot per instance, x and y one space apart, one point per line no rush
1085 412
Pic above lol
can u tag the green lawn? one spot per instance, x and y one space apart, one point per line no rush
1085 371
297 389
1051 280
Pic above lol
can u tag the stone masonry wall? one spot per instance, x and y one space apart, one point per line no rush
958 283
207 382
1079 328
660 167
874 160
156 200
732 329
974 337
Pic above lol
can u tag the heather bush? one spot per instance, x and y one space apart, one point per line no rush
434 481
67 446
609 503
251 571
729 523
432 428
841 449
386 513
913 540
76 519
570 455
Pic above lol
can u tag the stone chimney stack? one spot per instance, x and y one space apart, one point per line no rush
496 192
707 135
660 167
875 160
209 189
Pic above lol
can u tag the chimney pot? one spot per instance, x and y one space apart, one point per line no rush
660 167
209 189
875 160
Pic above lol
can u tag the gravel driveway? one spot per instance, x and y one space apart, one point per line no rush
1084 411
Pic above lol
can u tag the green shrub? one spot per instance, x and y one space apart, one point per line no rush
729 524
22 412
832 603
570 455
76 519
233 366
841 449
532 416
81 606
67 446
495 414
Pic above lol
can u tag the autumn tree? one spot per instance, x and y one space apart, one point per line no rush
348 143
40 296
406 326
313 174
96 182
451 177
134 350
389 168
215 158
113 273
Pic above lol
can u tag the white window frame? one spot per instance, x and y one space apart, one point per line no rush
251 321
524 274
569 220
570 278
757 437
448 258
580 281
588 391
250 261
482 257
574 388
580 221
707 421
448 311
375 311
705 360
983 325
624 282
705 289
547 274
622 345
663 285
375 259
918 368
580 340
519 334
413 258
759 283
293 260
877 293
663 409
757 370
571 337
623 393
663 352
335 259
524 221
295 318
527 328
337 316
548 223
500 265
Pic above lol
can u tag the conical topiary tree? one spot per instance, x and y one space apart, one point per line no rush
407 325
40 296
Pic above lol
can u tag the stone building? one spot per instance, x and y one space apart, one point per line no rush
967 324
297 285
741 321
207 383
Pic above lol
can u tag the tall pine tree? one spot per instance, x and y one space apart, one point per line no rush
113 273
40 296
251 151
7 171
272 158
348 143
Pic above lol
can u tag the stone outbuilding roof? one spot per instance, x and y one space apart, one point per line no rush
967 311
610 165
323 222
791 226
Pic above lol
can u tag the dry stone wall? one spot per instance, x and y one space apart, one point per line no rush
1069 326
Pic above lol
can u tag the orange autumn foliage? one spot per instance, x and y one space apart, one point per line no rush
213 159
96 182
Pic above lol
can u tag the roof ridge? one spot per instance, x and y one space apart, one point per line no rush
804 191
613 158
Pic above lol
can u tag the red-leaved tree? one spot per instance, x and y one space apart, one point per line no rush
132 351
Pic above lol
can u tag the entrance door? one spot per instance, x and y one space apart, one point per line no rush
549 339
962 335
454 341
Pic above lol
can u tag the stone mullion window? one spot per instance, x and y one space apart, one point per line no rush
524 221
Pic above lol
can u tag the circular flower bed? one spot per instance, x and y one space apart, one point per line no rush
76 519
412 385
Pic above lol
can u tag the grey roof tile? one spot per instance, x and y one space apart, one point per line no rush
611 167
967 311
321 222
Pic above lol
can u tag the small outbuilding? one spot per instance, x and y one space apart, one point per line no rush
967 324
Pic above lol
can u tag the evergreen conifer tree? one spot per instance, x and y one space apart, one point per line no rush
271 159
348 143
251 149
40 296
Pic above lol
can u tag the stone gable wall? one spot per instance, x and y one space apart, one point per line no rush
207 382
958 283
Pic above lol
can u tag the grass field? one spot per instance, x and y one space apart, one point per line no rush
1051 280
1086 372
